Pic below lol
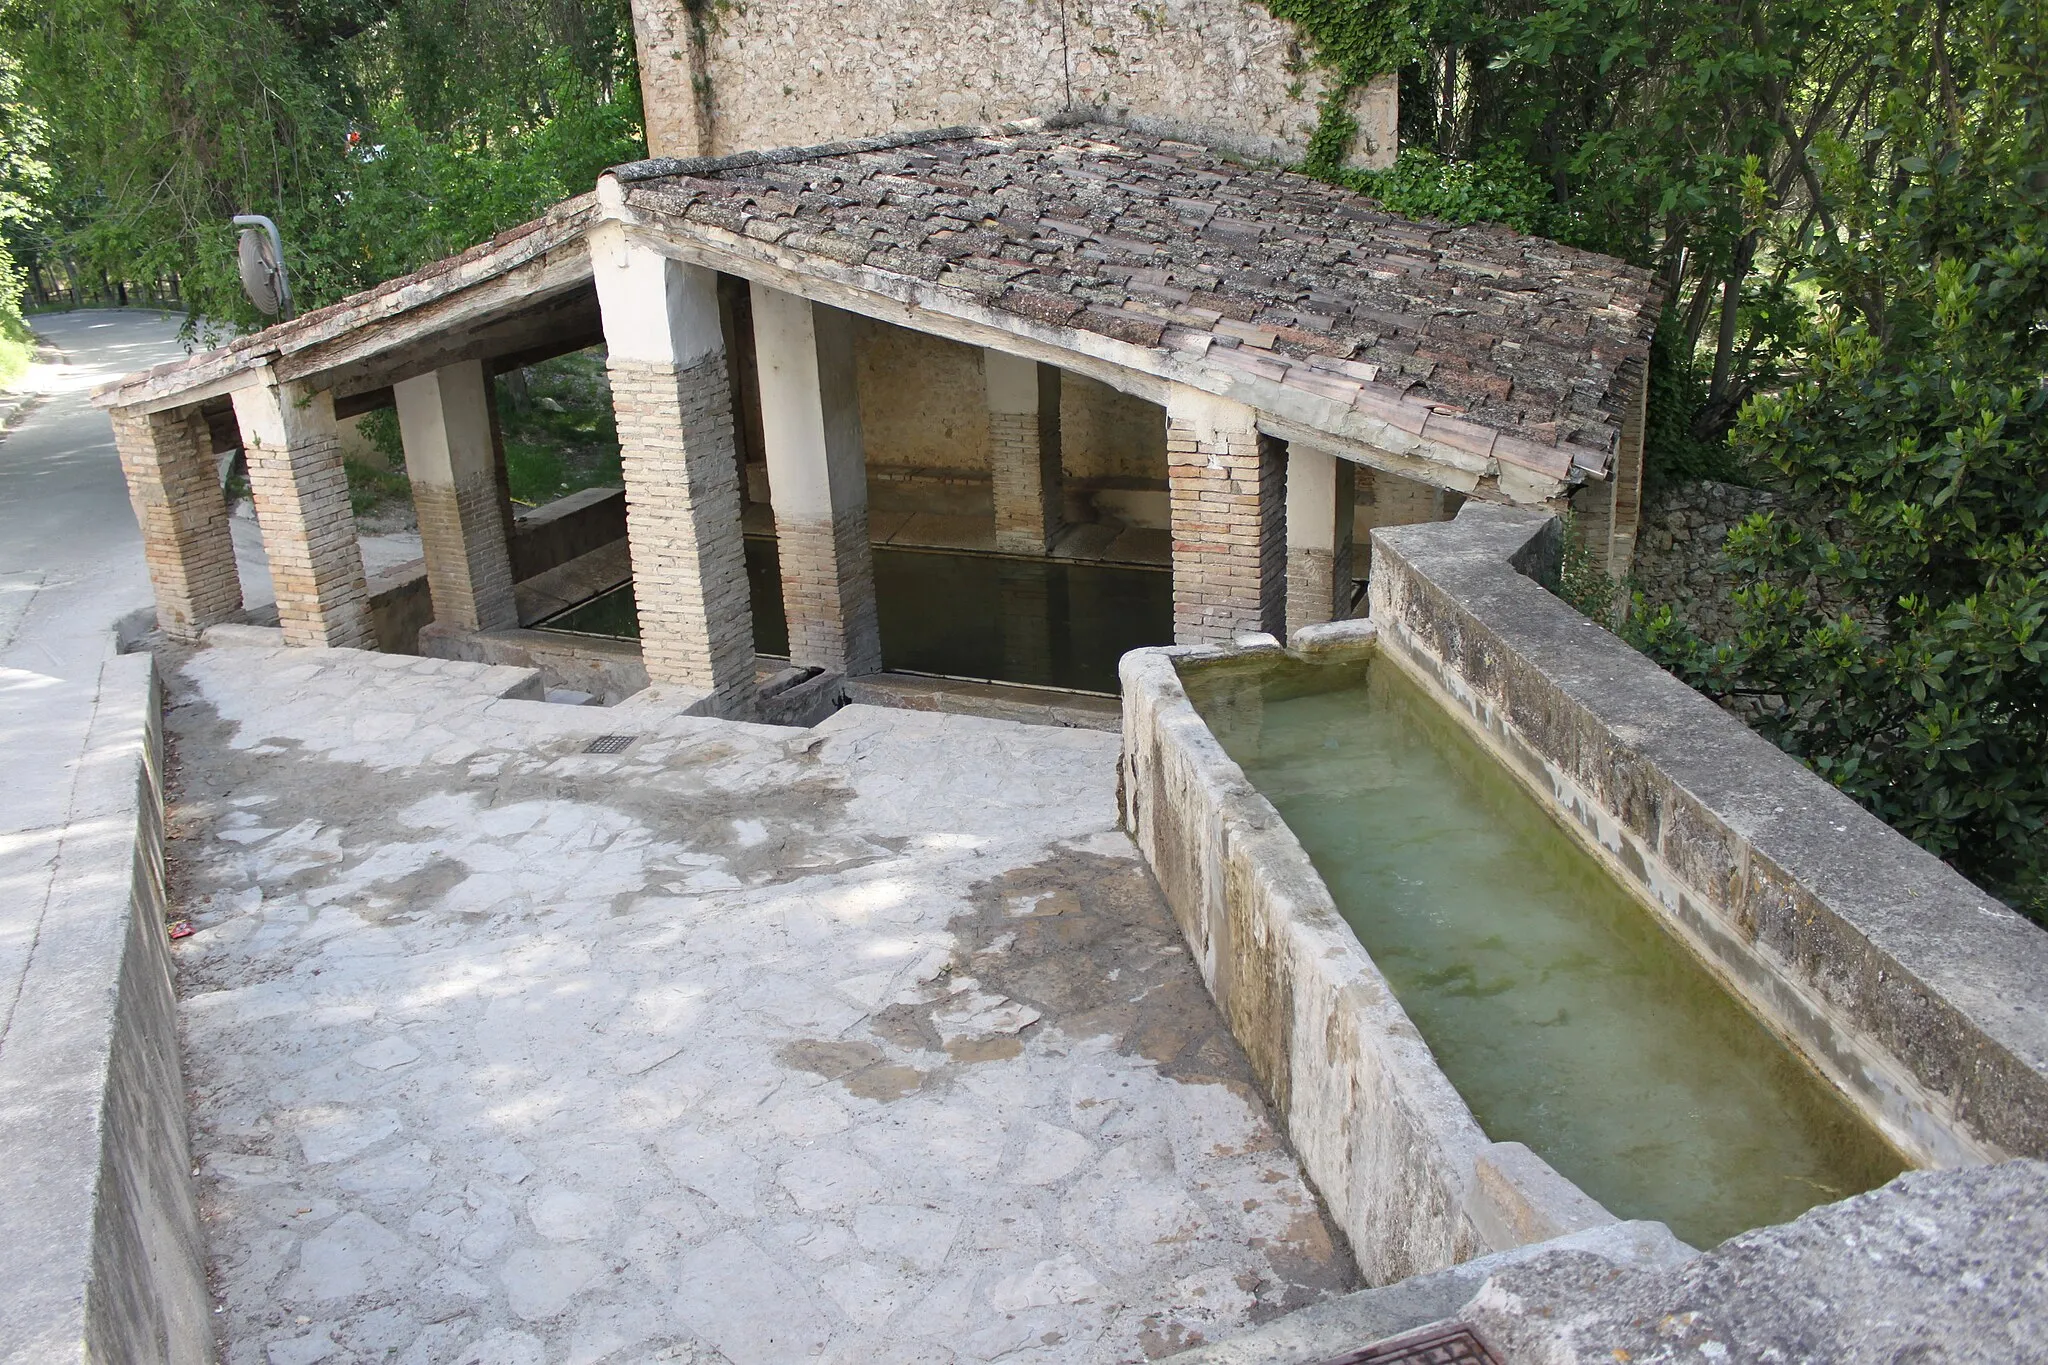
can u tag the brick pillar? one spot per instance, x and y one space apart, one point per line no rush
444 418
309 530
1227 490
1024 451
817 481
666 358
168 459
1320 513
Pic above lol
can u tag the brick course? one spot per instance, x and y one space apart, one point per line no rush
1226 494
683 527
309 529
168 460
469 568
828 592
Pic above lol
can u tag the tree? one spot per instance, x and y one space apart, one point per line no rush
1895 623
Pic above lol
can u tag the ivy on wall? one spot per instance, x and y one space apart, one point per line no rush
1357 41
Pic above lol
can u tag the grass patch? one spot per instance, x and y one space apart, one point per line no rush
370 486
17 348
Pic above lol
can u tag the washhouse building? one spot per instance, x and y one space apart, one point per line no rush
994 402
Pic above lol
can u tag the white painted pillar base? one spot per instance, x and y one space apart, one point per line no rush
1319 537
444 419
1024 451
666 359
309 530
817 481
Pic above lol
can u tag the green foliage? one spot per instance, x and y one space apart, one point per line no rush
1672 453
560 436
371 486
380 134
1497 186
379 427
1895 622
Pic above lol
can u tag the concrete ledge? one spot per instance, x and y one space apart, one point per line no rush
608 669
554 533
1920 996
1330 1330
101 1254
994 701
1379 1128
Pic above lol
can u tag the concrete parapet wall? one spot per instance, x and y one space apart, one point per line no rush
1916 993
1379 1128
555 533
101 1254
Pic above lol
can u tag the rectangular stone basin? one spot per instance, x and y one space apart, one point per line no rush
1565 1015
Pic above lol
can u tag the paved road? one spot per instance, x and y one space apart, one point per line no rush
70 553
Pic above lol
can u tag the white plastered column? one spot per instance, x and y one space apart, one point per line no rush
1024 451
666 360
300 490
444 419
1319 535
817 481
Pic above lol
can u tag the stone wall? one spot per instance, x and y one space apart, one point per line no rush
101 1253
1679 560
787 72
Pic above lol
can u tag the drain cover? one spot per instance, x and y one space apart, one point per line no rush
610 744
1451 1344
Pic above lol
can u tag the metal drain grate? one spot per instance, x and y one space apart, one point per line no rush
1453 1344
610 744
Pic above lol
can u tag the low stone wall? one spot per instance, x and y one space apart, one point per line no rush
559 531
1916 993
101 1254
1401 1163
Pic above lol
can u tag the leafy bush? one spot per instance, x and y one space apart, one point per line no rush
1916 452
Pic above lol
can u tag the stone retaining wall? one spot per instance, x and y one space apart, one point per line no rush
1916 993
101 1254
1679 560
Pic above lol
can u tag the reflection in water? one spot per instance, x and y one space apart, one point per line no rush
1046 622
1560 1008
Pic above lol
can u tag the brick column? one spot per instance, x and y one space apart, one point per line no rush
817 481
1320 514
1024 451
309 530
168 459
1226 487
444 418
666 358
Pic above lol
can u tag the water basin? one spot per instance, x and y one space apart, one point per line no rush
1565 1014
1043 622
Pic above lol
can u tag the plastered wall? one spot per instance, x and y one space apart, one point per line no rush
774 73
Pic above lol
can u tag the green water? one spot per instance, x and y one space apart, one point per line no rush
1560 1008
1046 622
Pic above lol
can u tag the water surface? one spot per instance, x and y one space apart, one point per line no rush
1564 1013
1045 622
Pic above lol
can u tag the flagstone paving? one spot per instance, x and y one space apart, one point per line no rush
873 1042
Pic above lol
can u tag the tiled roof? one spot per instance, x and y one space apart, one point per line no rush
1478 337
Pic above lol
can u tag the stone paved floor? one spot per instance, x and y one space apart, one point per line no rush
867 1043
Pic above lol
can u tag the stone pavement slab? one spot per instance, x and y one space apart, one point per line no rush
872 1042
